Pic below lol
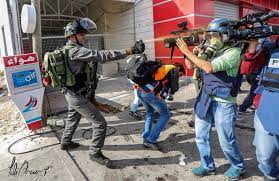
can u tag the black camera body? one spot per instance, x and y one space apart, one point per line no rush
254 33
192 40
253 26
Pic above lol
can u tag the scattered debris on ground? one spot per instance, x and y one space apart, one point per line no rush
11 119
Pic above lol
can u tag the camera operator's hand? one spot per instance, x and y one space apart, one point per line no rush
252 46
138 48
200 63
182 45
197 50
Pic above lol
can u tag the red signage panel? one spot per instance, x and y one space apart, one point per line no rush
23 59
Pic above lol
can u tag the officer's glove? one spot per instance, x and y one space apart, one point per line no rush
138 48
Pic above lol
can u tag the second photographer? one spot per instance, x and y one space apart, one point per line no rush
216 103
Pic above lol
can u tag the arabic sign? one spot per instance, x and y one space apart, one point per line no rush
22 73
10 61
25 87
29 104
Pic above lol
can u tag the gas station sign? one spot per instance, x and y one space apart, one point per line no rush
22 73
25 87
30 104
23 59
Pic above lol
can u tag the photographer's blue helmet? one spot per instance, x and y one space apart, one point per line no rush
221 26
80 25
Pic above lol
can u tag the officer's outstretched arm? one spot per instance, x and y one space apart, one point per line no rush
85 54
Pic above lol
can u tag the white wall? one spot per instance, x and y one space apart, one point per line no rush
122 29
119 29
227 10
4 23
10 38
144 25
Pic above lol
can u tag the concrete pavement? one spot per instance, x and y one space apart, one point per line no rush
134 162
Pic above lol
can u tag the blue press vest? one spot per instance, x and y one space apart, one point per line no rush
162 91
215 84
268 110
149 88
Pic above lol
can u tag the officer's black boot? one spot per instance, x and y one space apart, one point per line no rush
101 159
71 145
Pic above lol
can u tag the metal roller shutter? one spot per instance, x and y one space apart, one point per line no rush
226 10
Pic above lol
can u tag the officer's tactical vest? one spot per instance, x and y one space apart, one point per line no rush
269 102
57 68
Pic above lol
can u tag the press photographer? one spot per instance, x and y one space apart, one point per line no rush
216 102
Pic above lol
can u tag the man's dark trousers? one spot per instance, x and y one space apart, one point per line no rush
81 106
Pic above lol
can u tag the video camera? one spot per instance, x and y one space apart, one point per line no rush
253 26
191 37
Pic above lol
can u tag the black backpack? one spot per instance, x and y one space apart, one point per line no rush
141 71
172 81
173 77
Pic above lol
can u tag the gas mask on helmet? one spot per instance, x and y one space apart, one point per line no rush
213 42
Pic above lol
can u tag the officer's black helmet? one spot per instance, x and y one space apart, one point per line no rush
78 26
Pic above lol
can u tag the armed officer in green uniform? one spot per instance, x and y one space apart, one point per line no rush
81 63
